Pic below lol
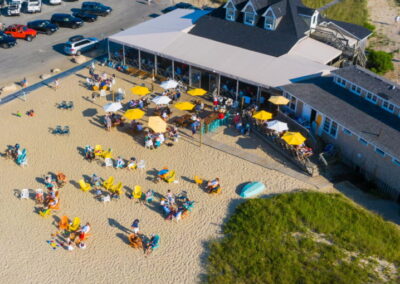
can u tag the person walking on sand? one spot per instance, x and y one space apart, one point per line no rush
56 84
24 83
135 226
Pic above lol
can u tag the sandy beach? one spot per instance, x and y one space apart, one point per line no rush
28 258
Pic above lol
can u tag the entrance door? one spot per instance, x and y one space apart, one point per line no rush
306 113
196 78
313 115
212 83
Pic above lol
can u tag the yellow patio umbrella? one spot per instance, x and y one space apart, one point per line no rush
140 91
184 106
197 92
262 115
294 138
278 100
135 113
157 124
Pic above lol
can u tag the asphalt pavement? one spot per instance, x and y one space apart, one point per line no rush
45 52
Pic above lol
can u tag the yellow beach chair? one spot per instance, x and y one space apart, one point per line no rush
98 151
75 224
108 183
107 154
117 188
137 192
198 180
45 212
84 186
170 177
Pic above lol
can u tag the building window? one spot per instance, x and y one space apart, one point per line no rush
292 103
340 82
362 141
380 152
396 162
388 106
327 124
355 89
269 23
348 132
371 97
333 130
249 19
230 14
330 127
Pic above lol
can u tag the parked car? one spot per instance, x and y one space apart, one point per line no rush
85 16
21 31
66 20
33 6
77 47
14 8
96 8
43 26
55 2
7 41
76 38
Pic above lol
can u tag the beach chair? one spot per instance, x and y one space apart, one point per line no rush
103 93
98 151
24 194
57 130
56 207
107 154
45 212
170 177
21 158
198 181
84 186
75 224
156 242
62 105
69 105
39 196
95 88
108 162
106 198
117 188
141 164
107 184
23 161
65 131
137 192
63 223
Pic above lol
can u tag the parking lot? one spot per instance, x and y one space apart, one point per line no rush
45 52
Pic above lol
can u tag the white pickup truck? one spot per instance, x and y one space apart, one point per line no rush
33 6
14 8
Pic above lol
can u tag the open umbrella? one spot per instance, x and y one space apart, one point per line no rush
293 138
262 115
112 107
157 124
161 100
278 100
133 114
170 84
277 125
184 106
140 91
197 92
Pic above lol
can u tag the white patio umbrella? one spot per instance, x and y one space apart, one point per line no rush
161 100
112 107
277 125
170 84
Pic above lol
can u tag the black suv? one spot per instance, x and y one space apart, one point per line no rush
96 8
43 26
7 41
66 20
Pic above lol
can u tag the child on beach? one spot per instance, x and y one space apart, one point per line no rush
135 226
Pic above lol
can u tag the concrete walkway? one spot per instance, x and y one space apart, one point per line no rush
316 182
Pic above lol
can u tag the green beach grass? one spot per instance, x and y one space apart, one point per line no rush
303 237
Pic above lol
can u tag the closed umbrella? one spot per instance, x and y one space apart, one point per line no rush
112 107
278 100
262 115
293 138
157 124
170 84
277 126
161 100
184 106
133 114
140 91
197 92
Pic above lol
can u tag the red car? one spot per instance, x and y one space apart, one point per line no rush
21 31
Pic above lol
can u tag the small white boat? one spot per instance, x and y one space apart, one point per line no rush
252 189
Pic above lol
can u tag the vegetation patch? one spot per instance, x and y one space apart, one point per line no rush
305 237
379 62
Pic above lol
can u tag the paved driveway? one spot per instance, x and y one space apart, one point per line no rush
43 53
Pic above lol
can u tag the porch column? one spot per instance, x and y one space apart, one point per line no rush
237 90
258 95
108 49
140 60
155 65
190 75
123 54
219 84
173 70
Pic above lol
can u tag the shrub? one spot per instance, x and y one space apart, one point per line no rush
379 62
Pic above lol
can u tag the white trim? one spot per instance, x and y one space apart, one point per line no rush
250 23
226 4
356 87
268 10
249 4
356 37
346 131
233 16
380 152
361 140
269 26
389 104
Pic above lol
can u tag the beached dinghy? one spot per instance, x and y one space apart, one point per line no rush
252 189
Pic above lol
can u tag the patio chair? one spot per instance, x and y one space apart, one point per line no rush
62 105
24 194
57 130
69 105
141 164
65 131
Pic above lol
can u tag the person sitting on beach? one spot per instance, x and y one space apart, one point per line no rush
170 197
139 127
31 113
135 241
157 141
162 174
68 244
213 185
53 203
132 165
149 196
148 143
119 163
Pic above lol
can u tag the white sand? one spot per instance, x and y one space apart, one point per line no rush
27 258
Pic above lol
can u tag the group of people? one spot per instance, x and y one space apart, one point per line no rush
75 238
141 103
17 154
102 80
173 210
112 119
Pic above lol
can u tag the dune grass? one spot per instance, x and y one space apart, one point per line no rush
351 11
260 243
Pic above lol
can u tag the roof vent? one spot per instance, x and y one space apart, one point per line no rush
392 87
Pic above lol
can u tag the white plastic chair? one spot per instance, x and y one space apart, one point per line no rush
24 194
106 198
108 162
103 93
24 162
141 164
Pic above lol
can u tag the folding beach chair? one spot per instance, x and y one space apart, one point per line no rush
24 194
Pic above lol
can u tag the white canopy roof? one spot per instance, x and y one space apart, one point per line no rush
315 50
167 36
